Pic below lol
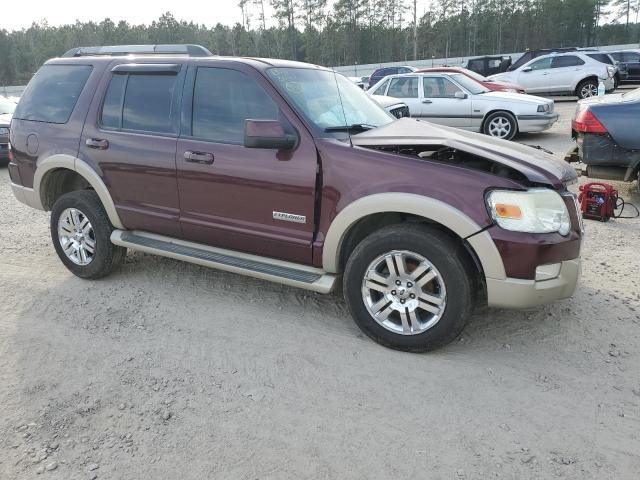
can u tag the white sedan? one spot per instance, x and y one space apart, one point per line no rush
456 100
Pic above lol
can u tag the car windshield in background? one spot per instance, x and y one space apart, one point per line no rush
474 87
6 106
328 100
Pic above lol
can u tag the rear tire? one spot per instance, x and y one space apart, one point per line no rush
587 88
424 302
81 235
500 125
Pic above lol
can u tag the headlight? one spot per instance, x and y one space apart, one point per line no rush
4 131
538 210
543 108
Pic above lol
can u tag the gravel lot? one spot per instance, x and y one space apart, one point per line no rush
167 370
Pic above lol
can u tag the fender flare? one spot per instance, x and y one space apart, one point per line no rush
70 162
426 207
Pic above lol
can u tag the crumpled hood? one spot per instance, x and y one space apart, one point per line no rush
535 164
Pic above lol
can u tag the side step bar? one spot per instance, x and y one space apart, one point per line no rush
279 271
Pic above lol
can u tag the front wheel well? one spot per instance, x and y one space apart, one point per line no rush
590 77
59 181
371 223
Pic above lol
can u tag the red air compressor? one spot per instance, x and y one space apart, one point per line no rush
598 201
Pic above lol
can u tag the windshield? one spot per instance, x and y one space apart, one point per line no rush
6 106
474 87
328 100
632 95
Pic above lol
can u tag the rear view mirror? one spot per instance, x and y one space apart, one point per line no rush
527 69
460 95
267 134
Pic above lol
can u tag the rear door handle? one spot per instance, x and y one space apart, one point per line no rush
427 101
199 157
97 143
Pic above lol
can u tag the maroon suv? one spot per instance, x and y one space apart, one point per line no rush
289 172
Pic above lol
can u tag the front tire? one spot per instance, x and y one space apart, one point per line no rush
500 125
81 235
409 287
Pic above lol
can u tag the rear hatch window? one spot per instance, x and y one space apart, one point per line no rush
52 93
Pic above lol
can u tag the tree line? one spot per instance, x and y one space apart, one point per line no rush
347 32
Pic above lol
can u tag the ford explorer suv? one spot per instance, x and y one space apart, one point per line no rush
289 172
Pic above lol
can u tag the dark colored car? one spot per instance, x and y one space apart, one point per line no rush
380 73
489 65
6 111
288 172
628 63
531 54
606 133
493 85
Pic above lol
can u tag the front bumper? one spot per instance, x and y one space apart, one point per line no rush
537 123
518 294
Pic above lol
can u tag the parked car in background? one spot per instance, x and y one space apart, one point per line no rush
380 73
394 106
529 55
572 73
606 133
629 64
489 65
358 81
418 223
455 100
7 107
494 85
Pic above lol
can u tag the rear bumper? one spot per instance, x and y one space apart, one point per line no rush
537 123
518 294
27 196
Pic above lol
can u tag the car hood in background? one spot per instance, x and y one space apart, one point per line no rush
5 120
535 164
500 83
386 102
513 97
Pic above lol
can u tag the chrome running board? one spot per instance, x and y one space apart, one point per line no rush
279 271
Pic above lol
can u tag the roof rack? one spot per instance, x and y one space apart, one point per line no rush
114 50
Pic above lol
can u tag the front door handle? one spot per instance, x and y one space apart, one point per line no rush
97 143
427 101
199 157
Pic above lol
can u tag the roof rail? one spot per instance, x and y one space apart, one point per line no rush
113 50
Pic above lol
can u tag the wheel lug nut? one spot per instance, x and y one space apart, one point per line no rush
409 284
412 296
398 282
402 301
393 292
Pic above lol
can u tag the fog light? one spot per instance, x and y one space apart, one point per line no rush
547 272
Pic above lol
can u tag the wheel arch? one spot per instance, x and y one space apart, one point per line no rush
381 209
591 76
46 183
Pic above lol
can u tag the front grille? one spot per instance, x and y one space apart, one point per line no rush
400 112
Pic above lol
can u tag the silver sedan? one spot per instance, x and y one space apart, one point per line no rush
456 100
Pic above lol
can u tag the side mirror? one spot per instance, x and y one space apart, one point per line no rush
527 69
460 95
267 134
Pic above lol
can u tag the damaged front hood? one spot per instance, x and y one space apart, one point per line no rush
535 164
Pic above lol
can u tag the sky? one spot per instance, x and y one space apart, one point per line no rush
18 14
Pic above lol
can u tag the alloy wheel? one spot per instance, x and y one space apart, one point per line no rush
588 90
404 292
500 127
76 236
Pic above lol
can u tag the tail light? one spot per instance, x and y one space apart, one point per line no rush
10 154
585 121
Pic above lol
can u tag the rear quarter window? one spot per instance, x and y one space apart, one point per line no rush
52 93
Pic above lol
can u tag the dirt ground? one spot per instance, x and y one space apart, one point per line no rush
167 370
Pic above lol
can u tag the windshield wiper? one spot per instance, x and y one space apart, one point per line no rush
357 127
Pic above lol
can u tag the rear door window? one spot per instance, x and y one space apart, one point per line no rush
52 93
567 61
223 100
140 102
